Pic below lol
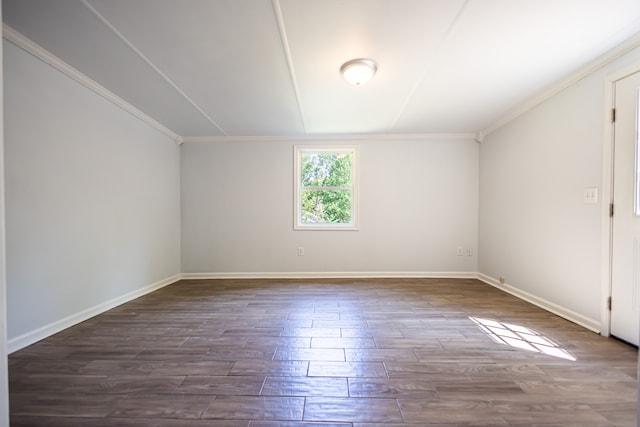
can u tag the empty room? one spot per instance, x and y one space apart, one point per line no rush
313 213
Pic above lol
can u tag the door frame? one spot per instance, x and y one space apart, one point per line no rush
607 193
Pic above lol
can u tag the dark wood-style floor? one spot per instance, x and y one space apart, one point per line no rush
290 353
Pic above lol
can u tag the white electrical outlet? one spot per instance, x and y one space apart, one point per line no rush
590 195
469 252
300 251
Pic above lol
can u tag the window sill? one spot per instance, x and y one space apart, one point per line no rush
326 227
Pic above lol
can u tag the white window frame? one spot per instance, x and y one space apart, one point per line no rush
298 188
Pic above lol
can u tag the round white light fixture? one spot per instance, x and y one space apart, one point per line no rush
358 71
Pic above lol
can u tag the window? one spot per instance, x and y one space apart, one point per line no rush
325 188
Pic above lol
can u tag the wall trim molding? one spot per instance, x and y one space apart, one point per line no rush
335 137
48 58
572 316
43 332
544 95
333 275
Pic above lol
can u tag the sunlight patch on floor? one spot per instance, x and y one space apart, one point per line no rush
517 336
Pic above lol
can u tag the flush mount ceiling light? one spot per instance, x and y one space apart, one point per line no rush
358 71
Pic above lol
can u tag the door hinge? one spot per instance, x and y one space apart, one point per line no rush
611 210
609 303
613 115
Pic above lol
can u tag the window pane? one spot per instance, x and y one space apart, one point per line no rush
326 206
326 169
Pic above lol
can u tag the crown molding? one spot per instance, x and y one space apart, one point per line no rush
622 49
336 138
47 57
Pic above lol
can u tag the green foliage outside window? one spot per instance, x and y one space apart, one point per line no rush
326 188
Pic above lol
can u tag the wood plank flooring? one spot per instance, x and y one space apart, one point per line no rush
294 353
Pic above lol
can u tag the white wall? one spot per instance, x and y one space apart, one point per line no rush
92 197
4 376
534 229
418 203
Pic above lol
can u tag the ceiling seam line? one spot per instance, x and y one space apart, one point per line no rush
277 10
414 89
131 46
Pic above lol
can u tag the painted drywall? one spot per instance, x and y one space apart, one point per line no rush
534 228
418 204
92 199
4 375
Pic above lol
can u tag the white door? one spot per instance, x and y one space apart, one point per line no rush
625 261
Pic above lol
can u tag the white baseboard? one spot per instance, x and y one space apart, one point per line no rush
32 337
335 275
572 316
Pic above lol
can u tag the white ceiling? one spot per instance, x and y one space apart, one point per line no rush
270 67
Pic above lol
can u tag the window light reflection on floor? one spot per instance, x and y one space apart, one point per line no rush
520 337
